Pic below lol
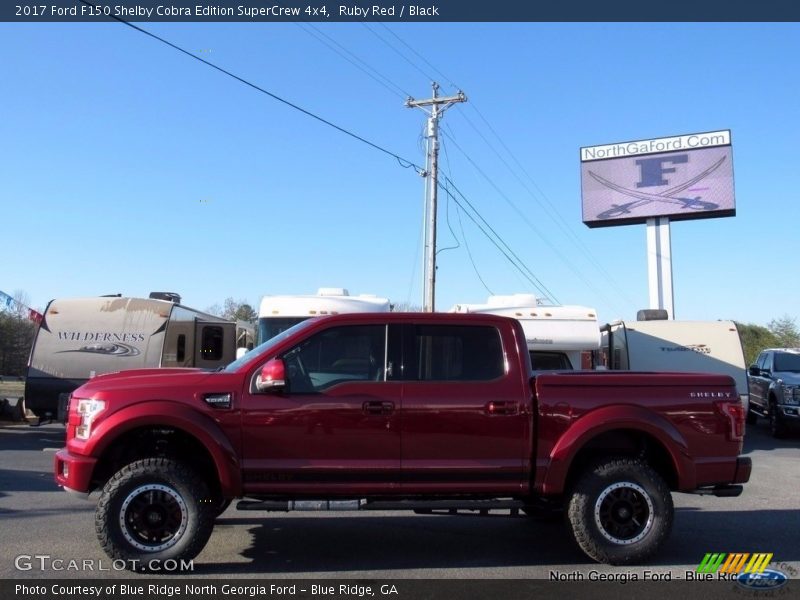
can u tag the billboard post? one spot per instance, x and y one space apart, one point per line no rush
659 265
655 182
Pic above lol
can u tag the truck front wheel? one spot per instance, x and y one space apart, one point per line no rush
620 511
153 511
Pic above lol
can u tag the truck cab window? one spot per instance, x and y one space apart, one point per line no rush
337 355
457 353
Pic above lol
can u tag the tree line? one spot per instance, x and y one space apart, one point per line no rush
779 333
17 333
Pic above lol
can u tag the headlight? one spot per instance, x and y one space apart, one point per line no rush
791 394
87 411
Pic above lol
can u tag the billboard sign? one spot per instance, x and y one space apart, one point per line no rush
681 177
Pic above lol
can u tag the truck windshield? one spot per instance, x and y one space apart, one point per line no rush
269 327
786 362
256 352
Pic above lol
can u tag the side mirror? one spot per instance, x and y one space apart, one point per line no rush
272 376
754 371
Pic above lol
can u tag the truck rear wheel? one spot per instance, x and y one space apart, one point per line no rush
154 510
620 511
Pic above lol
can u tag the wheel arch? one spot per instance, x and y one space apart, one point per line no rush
152 429
620 431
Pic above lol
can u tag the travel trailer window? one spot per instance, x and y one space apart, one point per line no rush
181 348
211 345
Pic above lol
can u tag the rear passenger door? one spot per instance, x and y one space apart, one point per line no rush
464 422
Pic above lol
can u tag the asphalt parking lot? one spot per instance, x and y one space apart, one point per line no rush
39 520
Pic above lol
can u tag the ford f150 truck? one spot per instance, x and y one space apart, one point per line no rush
427 412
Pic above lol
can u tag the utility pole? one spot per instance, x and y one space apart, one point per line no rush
437 106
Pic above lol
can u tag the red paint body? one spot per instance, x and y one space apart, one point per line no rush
508 437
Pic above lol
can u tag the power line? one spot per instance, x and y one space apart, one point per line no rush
420 56
400 54
552 212
461 224
403 162
499 243
366 68
525 219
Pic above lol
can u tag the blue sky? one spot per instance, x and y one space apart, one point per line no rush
129 167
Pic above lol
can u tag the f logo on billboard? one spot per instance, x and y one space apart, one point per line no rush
651 170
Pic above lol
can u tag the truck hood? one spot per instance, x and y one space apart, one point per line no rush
142 378
790 377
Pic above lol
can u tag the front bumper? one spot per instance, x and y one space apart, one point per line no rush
790 413
74 472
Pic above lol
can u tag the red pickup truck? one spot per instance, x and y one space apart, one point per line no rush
426 412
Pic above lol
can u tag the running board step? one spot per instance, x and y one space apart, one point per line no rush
419 506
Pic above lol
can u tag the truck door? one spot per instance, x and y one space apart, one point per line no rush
214 344
465 426
336 424
759 382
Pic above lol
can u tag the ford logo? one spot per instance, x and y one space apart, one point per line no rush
769 579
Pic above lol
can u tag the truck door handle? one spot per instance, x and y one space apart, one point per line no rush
376 407
501 407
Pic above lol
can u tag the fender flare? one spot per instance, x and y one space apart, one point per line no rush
156 413
610 418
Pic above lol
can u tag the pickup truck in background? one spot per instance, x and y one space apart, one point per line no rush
423 412
775 388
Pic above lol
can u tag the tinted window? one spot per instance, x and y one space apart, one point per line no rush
269 327
211 343
783 361
549 361
181 348
337 355
456 353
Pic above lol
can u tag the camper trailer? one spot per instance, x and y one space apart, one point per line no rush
558 337
83 337
277 313
682 346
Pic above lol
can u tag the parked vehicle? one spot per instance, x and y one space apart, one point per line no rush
679 346
775 388
558 337
278 313
406 411
80 338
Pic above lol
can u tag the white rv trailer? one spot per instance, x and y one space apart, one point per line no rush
278 313
678 346
83 337
558 337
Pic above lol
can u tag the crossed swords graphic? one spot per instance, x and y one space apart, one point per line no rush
696 203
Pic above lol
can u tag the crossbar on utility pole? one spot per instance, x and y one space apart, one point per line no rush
438 104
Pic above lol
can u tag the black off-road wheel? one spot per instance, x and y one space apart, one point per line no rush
152 511
620 511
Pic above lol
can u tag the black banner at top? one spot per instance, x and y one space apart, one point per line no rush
408 11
